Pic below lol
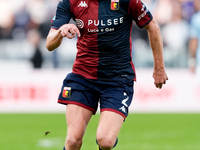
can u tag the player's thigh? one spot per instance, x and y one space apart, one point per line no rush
109 126
77 120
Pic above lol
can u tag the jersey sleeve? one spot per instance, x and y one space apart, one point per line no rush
63 14
139 13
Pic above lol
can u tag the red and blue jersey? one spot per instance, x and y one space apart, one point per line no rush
104 48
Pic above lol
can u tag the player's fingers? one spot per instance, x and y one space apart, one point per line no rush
63 33
66 33
167 78
158 85
72 32
164 82
76 30
71 35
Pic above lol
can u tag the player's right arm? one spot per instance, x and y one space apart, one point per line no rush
54 38
60 26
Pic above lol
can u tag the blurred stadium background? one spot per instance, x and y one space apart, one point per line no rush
31 77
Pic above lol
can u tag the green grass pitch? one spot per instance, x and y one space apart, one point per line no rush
139 132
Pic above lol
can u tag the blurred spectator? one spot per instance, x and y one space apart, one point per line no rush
194 43
41 12
22 23
188 9
163 12
151 4
175 37
34 38
6 19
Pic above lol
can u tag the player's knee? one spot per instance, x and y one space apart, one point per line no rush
105 142
73 142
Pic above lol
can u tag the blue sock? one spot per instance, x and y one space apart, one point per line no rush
115 142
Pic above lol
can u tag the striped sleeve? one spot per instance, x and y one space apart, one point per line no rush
63 14
139 13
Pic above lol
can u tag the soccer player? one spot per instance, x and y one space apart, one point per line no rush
103 72
194 43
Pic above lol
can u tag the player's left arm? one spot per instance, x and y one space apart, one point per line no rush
155 39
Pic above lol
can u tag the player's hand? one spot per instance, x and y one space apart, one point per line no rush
160 77
69 31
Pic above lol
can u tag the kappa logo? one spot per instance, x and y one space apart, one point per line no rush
143 7
123 108
82 4
125 100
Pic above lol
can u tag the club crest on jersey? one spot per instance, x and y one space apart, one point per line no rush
114 4
66 92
